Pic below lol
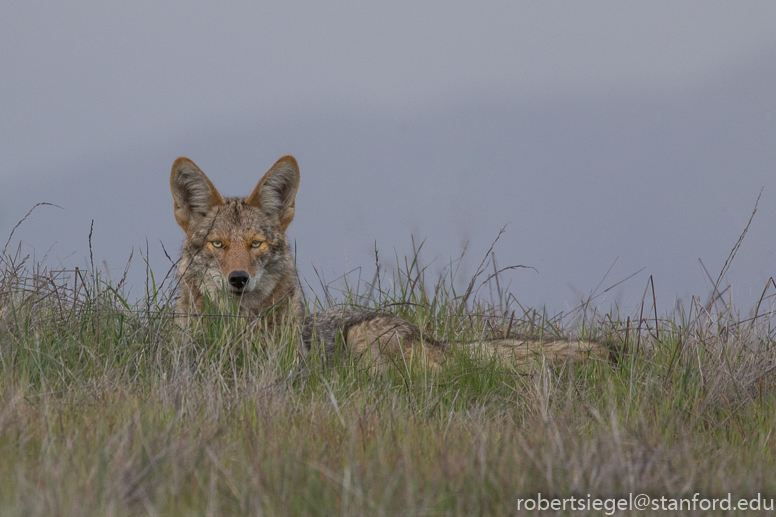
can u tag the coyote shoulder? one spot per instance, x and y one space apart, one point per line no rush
236 251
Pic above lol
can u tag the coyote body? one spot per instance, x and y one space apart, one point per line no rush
236 251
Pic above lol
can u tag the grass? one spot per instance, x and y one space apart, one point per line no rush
106 409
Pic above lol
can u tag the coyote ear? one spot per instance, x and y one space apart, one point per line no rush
276 191
193 193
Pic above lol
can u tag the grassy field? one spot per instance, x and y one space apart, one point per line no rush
106 409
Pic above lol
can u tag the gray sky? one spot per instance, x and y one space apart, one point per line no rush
598 132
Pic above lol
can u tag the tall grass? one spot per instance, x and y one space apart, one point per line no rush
107 409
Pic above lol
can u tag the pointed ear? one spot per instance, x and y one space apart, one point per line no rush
276 191
193 193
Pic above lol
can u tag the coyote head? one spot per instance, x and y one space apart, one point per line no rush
235 247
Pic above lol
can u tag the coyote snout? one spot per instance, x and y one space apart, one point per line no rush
238 280
240 267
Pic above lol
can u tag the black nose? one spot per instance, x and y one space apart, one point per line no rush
238 279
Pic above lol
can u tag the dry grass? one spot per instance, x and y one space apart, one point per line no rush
105 409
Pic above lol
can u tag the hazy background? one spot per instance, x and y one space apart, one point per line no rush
635 132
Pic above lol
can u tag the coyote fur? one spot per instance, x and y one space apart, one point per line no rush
236 249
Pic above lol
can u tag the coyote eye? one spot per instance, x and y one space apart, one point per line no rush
256 244
217 244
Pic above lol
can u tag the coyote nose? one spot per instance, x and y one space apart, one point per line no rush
238 279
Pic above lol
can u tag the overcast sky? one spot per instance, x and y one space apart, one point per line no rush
637 134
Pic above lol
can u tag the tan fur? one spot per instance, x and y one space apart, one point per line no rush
392 339
556 351
236 250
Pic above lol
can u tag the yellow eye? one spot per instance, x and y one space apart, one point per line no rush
217 244
256 244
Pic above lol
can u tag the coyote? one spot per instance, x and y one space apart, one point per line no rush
236 250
